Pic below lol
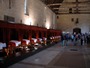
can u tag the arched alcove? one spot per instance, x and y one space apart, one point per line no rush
77 30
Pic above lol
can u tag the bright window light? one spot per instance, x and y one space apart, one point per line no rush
28 21
47 25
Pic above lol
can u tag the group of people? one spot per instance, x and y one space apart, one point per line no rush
76 39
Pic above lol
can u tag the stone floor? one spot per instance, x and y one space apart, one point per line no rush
58 56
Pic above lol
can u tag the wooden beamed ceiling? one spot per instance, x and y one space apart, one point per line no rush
56 6
49 2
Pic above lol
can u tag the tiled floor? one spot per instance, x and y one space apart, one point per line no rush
58 56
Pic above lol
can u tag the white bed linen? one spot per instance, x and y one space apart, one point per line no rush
35 40
17 43
40 39
45 39
27 41
2 45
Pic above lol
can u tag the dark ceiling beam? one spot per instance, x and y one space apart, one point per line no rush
73 13
54 8
73 10
54 5
83 10
69 3
47 2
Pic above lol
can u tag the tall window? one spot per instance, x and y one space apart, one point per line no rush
25 8
70 10
9 4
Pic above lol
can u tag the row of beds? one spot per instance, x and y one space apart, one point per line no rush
17 47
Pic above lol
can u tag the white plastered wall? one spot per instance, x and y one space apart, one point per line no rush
65 22
39 14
